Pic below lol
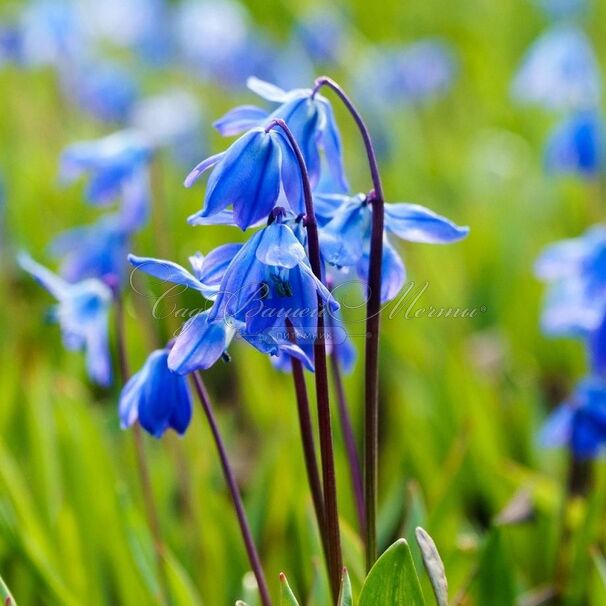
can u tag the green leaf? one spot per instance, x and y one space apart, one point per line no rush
393 579
345 596
495 582
6 595
433 565
287 597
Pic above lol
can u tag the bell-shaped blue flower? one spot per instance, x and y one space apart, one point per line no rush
559 71
113 163
156 397
580 423
82 313
345 238
577 145
251 176
309 116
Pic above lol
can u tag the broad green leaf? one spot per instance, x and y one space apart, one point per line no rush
345 597
393 579
287 597
433 565
6 595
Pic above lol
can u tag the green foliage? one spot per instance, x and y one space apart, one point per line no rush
393 579
345 595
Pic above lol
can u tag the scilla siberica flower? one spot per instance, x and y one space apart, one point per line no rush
577 145
345 238
82 312
559 71
156 397
116 165
580 422
310 118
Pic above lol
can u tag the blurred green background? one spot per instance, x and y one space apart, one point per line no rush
461 399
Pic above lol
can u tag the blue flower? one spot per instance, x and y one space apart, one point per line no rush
580 422
559 71
117 165
407 74
11 44
251 176
82 312
94 251
104 89
577 145
345 238
321 31
576 270
309 117
156 397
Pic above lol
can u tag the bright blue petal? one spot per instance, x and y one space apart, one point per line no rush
223 217
210 268
199 345
280 247
343 238
98 356
557 430
419 224
167 271
268 91
291 177
203 166
241 119
331 141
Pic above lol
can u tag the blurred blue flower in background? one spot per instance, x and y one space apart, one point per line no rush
11 44
105 89
407 74
577 145
580 422
93 251
82 312
576 270
156 397
112 162
322 32
345 238
172 120
559 71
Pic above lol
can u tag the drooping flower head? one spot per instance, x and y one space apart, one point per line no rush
345 236
577 145
579 423
156 397
117 166
309 116
82 313
559 71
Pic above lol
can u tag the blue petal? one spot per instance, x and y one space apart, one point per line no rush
557 430
323 292
343 239
418 224
128 408
199 345
52 282
248 176
280 247
561 259
331 141
223 217
168 271
98 357
209 269
588 436
291 177
180 417
393 273
597 349
198 170
241 119
268 91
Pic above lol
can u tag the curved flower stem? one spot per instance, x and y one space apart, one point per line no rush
230 479
331 512
151 511
355 469
373 310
